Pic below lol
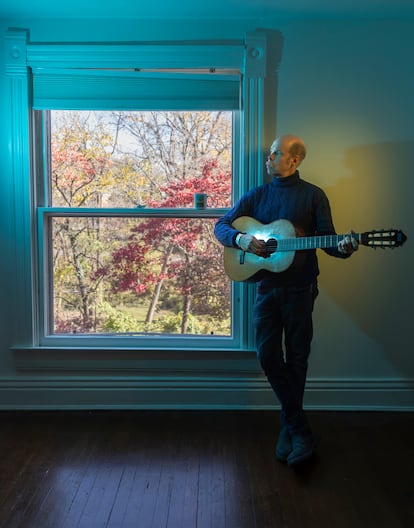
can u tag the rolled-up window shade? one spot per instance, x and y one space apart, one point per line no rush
79 89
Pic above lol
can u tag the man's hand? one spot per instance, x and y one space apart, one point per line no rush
348 245
250 244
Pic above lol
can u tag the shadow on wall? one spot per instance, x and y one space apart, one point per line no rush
376 287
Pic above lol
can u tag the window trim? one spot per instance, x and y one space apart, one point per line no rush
257 128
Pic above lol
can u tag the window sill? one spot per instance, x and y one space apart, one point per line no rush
129 362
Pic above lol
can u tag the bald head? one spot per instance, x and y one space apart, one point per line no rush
286 154
294 145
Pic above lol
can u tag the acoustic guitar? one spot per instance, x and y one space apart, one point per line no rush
282 243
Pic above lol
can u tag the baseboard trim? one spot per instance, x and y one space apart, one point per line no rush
188 393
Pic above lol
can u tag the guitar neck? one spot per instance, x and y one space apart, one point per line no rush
313 242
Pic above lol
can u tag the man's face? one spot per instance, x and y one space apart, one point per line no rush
279 162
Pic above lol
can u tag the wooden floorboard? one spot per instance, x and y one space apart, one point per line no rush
202 470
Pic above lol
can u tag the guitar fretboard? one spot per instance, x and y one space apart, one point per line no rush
300 243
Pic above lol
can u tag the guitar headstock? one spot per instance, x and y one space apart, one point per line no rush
383 238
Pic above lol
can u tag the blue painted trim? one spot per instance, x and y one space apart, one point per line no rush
194 55
139 212
248 57
208 393
17 94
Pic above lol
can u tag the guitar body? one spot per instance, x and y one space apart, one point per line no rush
241 270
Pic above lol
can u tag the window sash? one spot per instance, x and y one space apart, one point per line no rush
151 340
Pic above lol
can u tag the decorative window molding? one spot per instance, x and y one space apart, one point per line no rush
33 67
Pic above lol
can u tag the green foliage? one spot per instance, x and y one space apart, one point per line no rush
117 321
171 324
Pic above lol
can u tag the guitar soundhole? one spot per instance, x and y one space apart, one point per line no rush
271 246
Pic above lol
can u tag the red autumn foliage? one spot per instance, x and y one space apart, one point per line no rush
179 248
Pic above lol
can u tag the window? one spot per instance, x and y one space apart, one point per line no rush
125 253
108 250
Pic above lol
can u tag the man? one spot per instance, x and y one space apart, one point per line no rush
284 300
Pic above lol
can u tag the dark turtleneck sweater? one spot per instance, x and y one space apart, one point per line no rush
305 205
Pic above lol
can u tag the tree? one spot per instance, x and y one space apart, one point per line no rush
145 159
81 163
183 250
165 148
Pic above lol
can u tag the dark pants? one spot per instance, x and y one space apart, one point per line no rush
286 312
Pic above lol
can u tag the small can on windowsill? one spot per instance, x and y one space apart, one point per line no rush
200 200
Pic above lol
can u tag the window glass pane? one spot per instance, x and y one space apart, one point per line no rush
110 273
117 275
139 159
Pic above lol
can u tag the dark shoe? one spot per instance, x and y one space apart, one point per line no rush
303 447
284 444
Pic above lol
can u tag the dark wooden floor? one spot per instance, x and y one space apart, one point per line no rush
202 469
